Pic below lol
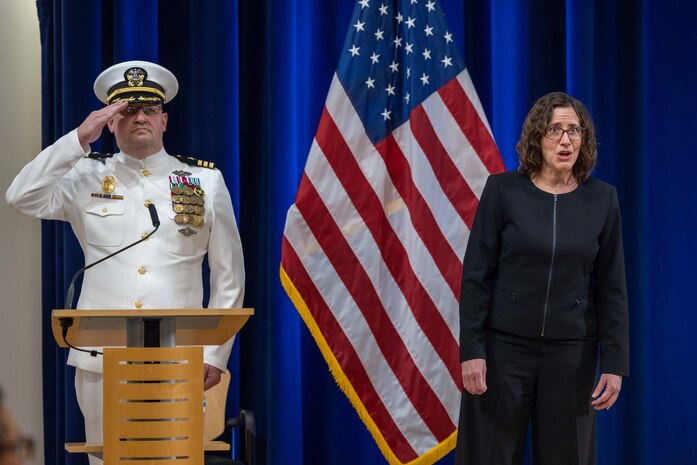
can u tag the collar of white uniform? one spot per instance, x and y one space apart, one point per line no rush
151 162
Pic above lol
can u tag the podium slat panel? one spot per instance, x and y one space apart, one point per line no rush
182 439
159 462
173 392
178 448
151 429
154 410
150 372
152 354
96 449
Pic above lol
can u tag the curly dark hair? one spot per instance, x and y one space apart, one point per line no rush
529 147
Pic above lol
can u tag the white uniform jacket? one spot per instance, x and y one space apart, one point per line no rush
161 272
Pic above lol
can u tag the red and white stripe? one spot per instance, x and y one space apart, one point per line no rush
374 245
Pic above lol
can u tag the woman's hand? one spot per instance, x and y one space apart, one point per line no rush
474 376
610 385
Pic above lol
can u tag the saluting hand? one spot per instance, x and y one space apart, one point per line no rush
90 129
474 376
610 385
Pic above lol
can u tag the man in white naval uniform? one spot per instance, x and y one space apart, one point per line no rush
106 202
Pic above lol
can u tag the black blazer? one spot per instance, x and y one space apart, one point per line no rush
540 265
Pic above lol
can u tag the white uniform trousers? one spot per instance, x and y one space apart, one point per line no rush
88 387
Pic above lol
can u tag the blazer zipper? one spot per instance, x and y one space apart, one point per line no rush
551 264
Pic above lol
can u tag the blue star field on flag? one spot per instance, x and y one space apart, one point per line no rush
397 54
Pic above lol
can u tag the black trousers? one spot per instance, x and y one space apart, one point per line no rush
546 384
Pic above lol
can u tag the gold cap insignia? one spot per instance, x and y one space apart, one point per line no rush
135 77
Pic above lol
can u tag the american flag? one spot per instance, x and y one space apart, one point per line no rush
373 245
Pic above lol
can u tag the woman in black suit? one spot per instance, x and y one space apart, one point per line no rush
543 298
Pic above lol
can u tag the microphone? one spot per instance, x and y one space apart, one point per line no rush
153 216
71 289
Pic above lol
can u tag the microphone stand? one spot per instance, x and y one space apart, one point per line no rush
71 288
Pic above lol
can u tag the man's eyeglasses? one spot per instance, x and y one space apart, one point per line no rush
555 133
148 110
23 448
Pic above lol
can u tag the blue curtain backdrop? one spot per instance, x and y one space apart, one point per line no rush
254 76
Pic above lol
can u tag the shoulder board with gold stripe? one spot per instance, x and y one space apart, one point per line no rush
99 156
191 161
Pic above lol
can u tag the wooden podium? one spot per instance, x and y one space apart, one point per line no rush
153 387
